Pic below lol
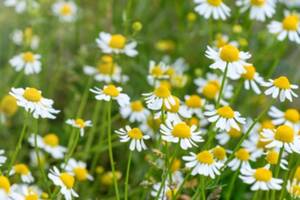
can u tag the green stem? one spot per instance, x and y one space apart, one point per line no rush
203 188
231 185
256 195
236 92
73 146
277 169
222 86
127 175
84 98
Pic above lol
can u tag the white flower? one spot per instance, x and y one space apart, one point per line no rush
135 112
193 105
252 79
166 193
260 178
50 144
78 169
289 27
32 100
272 157
254 145
215 8
111 92
241 160
224 136
25 37
65 181
203 163
3 158
20 5
259 9
224 117
157 71
28 61
80 124
228 56
289 117
281 87
65 10
117 44
293 188
6 192
135 136
25 192
180 132
22 170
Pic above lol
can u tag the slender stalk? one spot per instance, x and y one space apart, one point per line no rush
72 148
256 195
222 86
231 185
203 188
277 169
127 175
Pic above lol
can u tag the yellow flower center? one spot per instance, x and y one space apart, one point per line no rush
250 72
214 2
297 174
8 105
242 154
296 190
291 23
135 133
170 72
136 106
292 115
285 134
32 197
111 90
219 153
80 122
4 184
261 144
51 140
272 157
262 174
205 157
282 82
181 130
117 41
156 71
234 133
175 165
66 10
106 68
162 91
229 53
194 101
226 112
193 121
174 108
258 2
220 41
154 123
80 173
28 35
21 169
67 179
28 57
32 94
267 124
211 89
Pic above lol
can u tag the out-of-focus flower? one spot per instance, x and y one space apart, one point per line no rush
78 169
135 111
212 8
27 61
25 37
80 124
66 11
22 170
259 9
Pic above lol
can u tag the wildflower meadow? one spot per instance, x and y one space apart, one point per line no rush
149 99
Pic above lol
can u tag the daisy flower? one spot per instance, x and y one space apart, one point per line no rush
135 111
260 178
241 159
180 132
222 40
111 92
8 107
116 44
293 188
225 118
50 144
288 27
78 169
151 126
65 181
6 192
282 137
25 192
80 124
193 105
135 136
272 157
32 100
212 8
203 163
3 158
157 71
219 154
289 117
22 170
259 9
65 10
281 87
225 136
28 61
160 97
252 79
25 37
20 5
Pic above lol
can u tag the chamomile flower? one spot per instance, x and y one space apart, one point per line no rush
50 144
135 111
281 87
224 136
3 158
219 154
65 181
157 71
25 37
224 117
65 10
260 178
193 105
282 137
24 172
167 192
5 189
135 136
252 79
111 92
78 169
289 27
33 102
116 44
203 163
289 117
222 40
259 9
228 56
180 132
20 5
26 192
241 159
80 124
27 61
212 8
8 107
151 126
272 157
293 188
160 97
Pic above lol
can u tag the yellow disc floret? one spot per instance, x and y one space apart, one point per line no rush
111 90
80 122
28 57
32 94
81 173
226 112
66 9
181 130
162 91
175 108
194 101
219 153
21 169
205 157
4 184
67 179
211 89
258 2
51 139
292 115
242 154
272 157
229 53
136 106
234 133
262 174
117 41
291 23
282 82
8 105
250 72
284 134
214 2
32 196
135 133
